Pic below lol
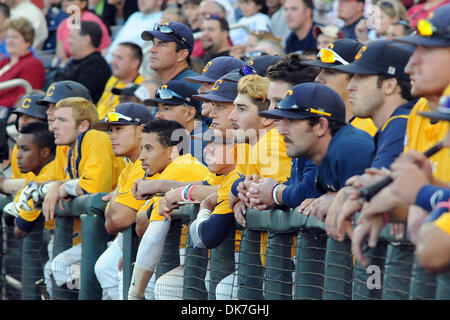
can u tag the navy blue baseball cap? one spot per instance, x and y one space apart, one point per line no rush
174 93
308 100
171 32
28 105
216 68
380 57
433 31
222 91
213 135
64 89
339 52
259 66
442 112
125 114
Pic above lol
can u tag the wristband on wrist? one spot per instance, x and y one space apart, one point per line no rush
185 192
274 194
182 194
189 192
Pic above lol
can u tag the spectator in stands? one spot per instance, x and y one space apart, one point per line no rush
174 101
171 50
326 35
271 47
36 150
139 92
215 38
320 121
428 81
191 10
120 213
4 14
160 154
117 12
26 9
54 15
150 12
21 63
399 29
423 9
384 14
351 12
299 18
127 59
95 169
63 46
254 18
173 14
87 67
384 96
300 185
276 12
341 52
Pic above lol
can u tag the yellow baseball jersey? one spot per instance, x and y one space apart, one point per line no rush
268 157
59 164
124 196
421 135
92 161
109 101
366 125
222 206
184 168
213 179
443 223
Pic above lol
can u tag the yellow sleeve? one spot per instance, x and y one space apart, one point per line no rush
443 223
270 157
126 180
96 169
184 168
222 206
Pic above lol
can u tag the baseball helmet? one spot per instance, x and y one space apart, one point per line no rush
64 89
28 105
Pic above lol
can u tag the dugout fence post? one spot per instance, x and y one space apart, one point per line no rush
195 263
170 258
4 199
94 243
32 270
130 247
63 237
443 286
222 265
398 266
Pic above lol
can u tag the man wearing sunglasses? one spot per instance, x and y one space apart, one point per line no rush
174 101
429 80
170 54
125 125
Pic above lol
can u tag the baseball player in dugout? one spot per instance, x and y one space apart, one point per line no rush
429 81
125 124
